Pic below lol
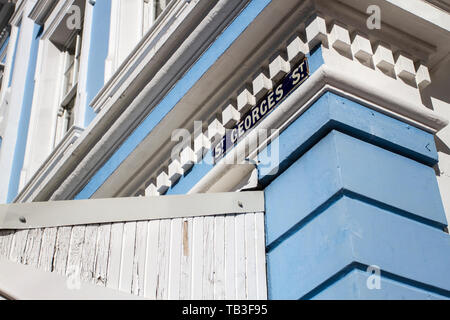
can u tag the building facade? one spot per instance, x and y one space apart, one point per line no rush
337 110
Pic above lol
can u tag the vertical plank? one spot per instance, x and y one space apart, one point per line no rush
47 250
33 247
18 245
197 259
219 258
163 258
126 262
102 254
241 293
230 258
261 273
186 260
6 237
88 253
62 250
138 281
250 256
151 269
208 256
175 258
115 256
75 251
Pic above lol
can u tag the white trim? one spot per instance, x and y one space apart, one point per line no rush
425 11
60 150
22 282
225 177
82 212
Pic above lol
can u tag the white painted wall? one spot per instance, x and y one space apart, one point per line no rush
47 98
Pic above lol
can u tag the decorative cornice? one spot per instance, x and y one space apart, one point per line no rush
7 10
441 4
55 16
329 78
42 10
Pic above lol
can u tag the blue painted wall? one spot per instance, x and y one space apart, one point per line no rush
25 114
98 52
356 188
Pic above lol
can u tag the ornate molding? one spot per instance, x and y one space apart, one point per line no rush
42 10
53 160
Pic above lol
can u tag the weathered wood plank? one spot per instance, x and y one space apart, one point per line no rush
151 269
186 260
6 238
33 247
47 250
240 275
163 259
138 281
88 254
18 246
219 258
250 256
208 255
126 268
75 252
102 254
176 242
115 256
230 258
61 252
197 259
261 257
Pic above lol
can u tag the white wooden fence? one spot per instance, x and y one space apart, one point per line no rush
211 257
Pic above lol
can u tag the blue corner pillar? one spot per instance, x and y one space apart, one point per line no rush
353 208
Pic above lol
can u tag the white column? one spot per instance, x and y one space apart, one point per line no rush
22 54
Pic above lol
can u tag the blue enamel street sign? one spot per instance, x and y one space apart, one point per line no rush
264 107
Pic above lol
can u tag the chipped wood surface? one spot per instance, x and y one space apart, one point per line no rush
214 257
